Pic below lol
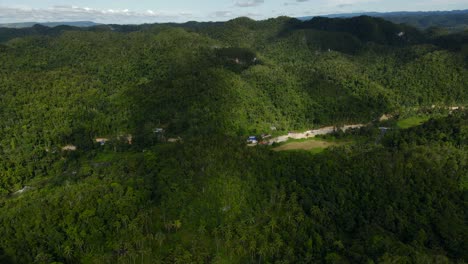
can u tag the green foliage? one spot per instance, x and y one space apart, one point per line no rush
208 198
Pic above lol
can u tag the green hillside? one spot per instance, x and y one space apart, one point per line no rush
453 21
386 198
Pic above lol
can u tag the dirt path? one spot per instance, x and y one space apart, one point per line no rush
312 133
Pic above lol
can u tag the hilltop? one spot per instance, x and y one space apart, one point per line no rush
456 20
49 24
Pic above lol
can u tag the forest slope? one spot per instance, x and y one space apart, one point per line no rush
209 198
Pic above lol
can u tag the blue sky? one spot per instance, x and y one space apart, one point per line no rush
150 11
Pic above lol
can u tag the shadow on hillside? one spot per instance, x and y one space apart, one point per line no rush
350 35
190 99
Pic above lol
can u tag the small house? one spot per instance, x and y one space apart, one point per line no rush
174 140
126 138
252 140
69 148
158 130
129 139
102 141
384 130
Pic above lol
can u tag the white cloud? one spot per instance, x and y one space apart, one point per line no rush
249 3
227 15
75 13
222 14
340 2
329 3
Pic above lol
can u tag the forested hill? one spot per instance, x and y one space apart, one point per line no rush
72 85
87 174
456 20
244 76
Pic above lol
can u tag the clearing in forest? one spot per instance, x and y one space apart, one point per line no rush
313 145
412 121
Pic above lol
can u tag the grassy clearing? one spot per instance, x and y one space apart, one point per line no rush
412 121
314 145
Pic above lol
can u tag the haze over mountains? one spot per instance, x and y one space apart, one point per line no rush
456 19
394 14
50 24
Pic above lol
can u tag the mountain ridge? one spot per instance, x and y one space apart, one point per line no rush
393 16
50 24
456 20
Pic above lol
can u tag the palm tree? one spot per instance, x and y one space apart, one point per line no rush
67 252
177 224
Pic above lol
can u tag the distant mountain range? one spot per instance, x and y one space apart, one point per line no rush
455 20
50 24
393 14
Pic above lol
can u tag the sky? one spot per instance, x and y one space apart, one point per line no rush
152 11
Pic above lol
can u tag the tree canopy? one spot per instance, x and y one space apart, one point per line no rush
125 144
